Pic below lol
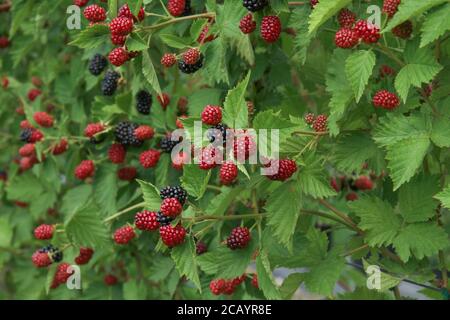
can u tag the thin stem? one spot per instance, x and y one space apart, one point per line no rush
296 3
175 20
215 188
220 218
341 215
352 252
390 54
310 133
441 254
118 214
326 216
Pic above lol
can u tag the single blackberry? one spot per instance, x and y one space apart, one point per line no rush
125 134
254 5
54 253
167 144
174 192
97 64
143 102
162 219
212 133
190 68
25 135
109 83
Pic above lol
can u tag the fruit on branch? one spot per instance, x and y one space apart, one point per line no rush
110 280
127 173
204 37
313 3
164 101
363 183
191 56
44 232
146 221
218 131
33 94
403 30
43 119
80 3
390 7
149 158
60 147
172 236
280 170
41 259
118 56
109 83
386 71
190 68
270 28
93 128
200 248
94 13
368 32
144 132
25 135
167 144
346 18
309 118
222 286
320 124
247 24
84 256
162 219
176 7
143 102
244 145
85 169
211 115
352 196
171 207
124 235
228 173
255 5
386 100
238 238
4 42
346 38
168 60
97 64
121 26
125 134
125 12
174 192
62 274
255 281
210 157
27 150
118 39
117 153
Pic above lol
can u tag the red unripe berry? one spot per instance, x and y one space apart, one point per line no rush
346 38
117 153
144 132
386 100
200 248
403 30
4 42
309 118
171 207
110 280
367 31
212 115
125 12
27 163
36 136
164 101
352 196
255 281
124 235
179 160
80 3
44 232
191 56
85 169
84 256
390 7
127 173
33 94
228 173
247 24
94 13
118 40
93 128
61 274
270 28
27 150
364 183
149 158
118 56
146 220
121 26
313 3
209 158
320 124
43 119
25 124
243 145
286 168
386 71
172 236
168 60
346 18
238 238
176 7
204 37
41 259
217 286
60 147
5 82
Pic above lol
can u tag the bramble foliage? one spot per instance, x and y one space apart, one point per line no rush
86 123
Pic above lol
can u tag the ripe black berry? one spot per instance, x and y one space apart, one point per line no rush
167 144
174 192
25 135
254 5
54 253
109 83
143 102
190 68
215 131
97 64
162 219
125 134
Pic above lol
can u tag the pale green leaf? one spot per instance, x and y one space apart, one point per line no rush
151 195
444 197
358 68
148 70
92 37
435 25
185 259
195 180
440 135
266 280
323 11
105 189
235 113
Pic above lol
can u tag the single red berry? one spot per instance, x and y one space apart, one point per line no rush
62 273
238 280
172 236
243 145
85 169
93 128
386 71
352 196
346 18
117 153
247 24
36 136
26 163
209 158
80 3
313 3
367 31
164 101
124 235
168 60
228 289
118 56
212 115
110 280
270 28
144 132
320 124
25 124
127 173
346 38
176 7
390 7
309 118
228 173
27 150
146 220
217 286
182 105
281 170
43 119
364 183
125 12
403 30
255 281
335 185
60 147
179 160
4 42
121 26
20 111
149 158
94 13
44 232
200 248
238 238
84 256
171 207
203 37
118 40
33 94
179 123
191 56
41 259
21 204
386 100
5 82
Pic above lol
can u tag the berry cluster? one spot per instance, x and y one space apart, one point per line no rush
352 184
227 287
84 256
46 256
386 100
318 123
280 170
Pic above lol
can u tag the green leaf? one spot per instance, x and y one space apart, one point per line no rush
85 228
221 202
151 195
21 12
92 37
76 198
112 8
386 280
416 198
358 68
421 240
421 68
378 219
283 209
280 5
444 197
216 70
105 189
195 180
137 7
435 25
302 40
134 290
266 280
25 187
235 113
6 232
313 180
323 11
185 260
175 41
409 9
363 293
290 285
148 70
135 43
440 134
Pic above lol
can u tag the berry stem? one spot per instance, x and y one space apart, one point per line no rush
390 54
296 3
356 250
215 188
206 15
118 214
232 217
310 133
342 215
